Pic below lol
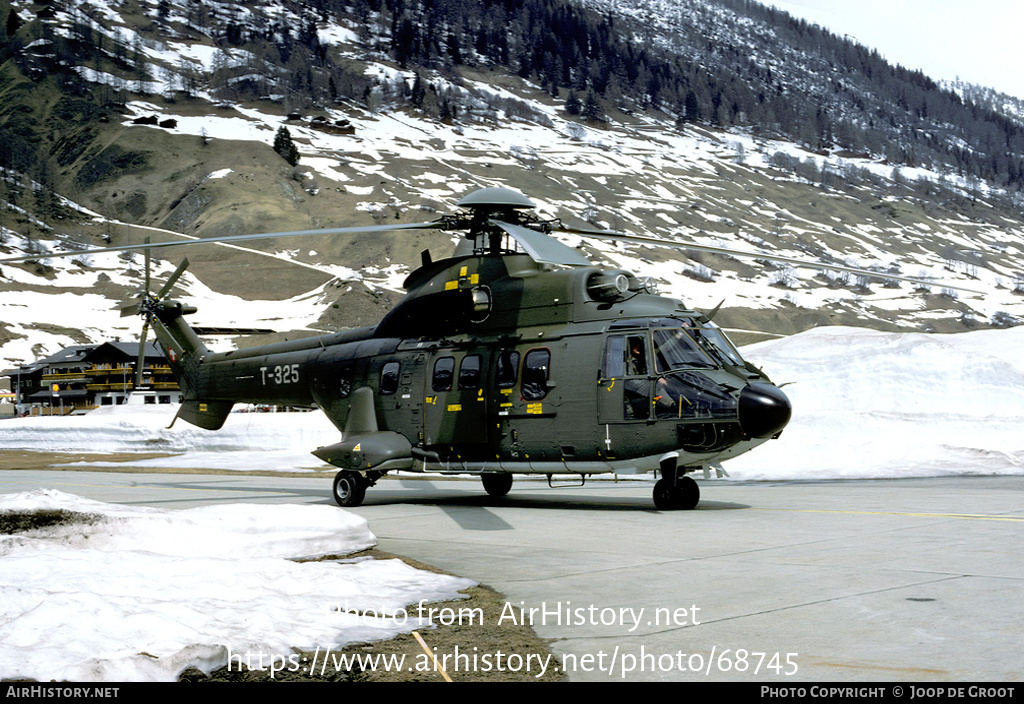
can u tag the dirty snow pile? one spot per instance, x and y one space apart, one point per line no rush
877 404
248 441
126 593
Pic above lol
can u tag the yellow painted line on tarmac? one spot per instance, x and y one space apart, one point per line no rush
965 516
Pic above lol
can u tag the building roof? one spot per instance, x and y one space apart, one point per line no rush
89 354
75 353
122 351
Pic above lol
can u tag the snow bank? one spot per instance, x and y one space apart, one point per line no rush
874 404
141 593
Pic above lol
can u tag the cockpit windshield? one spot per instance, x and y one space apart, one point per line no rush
711 336
689 347
675 349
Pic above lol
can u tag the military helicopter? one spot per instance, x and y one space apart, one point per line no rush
513 356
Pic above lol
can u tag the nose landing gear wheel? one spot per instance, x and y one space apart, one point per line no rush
684 494
349 488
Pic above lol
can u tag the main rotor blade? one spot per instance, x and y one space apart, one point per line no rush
166 288
640 239
591 232
544 249
141 359
435 225
148 262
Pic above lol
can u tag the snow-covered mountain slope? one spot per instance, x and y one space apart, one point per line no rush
697 186
209 170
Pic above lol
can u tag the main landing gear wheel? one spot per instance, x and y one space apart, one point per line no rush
684 494
496 484
349 488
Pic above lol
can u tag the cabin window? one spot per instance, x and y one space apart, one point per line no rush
345 382
469 372
444 372
389 378
536 371
507 373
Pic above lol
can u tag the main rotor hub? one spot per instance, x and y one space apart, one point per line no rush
491 211
496 198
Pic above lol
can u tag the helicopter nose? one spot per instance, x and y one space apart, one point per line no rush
763 410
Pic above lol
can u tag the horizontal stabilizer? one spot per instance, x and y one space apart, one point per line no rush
205 414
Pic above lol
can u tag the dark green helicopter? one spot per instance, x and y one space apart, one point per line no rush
499 360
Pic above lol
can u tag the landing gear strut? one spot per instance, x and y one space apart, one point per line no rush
675 490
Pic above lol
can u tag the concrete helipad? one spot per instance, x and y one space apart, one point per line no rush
771 582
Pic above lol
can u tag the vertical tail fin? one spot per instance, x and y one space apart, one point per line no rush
184 351
186 354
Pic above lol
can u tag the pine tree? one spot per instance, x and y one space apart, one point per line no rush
592 111
284 146
13 23
573 106
691 107
419 92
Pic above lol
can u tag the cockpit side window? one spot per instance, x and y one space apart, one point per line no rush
614 365
625 356
636 356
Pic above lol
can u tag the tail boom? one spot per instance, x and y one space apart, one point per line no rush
212 383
